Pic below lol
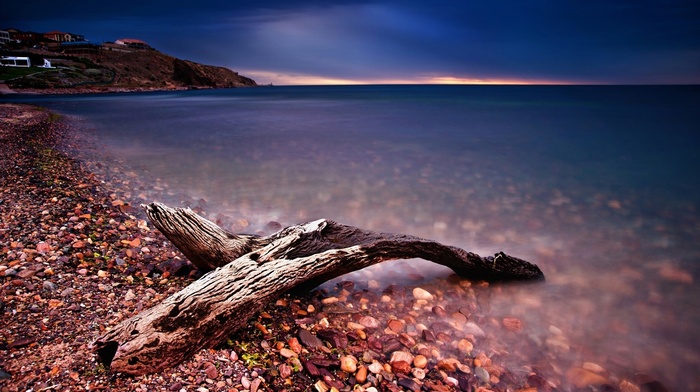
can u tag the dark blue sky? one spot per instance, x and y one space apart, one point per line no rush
408 41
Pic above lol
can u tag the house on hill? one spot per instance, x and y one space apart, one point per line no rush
26 37
4 37
60 36
133 43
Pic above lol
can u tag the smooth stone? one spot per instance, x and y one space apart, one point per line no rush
481 374
582 378
369 322
422 294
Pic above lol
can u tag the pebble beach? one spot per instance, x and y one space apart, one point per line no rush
77 256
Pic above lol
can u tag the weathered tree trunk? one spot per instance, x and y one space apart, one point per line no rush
251 271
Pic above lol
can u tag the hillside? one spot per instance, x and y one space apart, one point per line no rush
112 70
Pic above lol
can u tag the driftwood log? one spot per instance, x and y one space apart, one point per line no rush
248 271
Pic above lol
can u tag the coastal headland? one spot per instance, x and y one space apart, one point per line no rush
109 69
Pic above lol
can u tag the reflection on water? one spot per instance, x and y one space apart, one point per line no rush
596 185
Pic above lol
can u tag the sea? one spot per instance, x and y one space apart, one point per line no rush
597 185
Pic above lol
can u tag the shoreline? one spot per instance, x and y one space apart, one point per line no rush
77 258
6 90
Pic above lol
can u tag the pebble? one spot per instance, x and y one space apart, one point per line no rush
375 367
583 378
348 363
481 374
420 361
369 322
422 294
287 353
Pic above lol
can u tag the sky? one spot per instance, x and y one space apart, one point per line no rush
385 41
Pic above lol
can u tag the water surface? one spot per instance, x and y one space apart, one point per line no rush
598 185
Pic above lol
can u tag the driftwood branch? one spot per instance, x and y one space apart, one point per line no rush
249 271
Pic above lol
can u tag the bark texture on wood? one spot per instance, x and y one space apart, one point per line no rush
252 270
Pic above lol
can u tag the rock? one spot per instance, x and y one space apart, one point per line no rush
421 294
42 247
464 346
395 325
49 286
22 342
369 322
593 367
400 367
409 384
212 372
375 367
473 329
129 296
626 386
294 345
582 378
418 373
361 375
255 384
287 353
348 364
401 356
335 338
245 382
448 364
481 374
407 340
512 324
309 339
439 311
285 370
420 361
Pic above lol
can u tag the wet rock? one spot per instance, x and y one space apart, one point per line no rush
395 325
481 374
512 324
422 294
400 367
473 329
439 311
582 378
420 361
309 339
401 356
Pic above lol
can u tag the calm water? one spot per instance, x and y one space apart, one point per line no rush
599 186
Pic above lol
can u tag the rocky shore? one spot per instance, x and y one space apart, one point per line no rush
77 257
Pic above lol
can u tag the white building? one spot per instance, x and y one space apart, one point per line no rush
4 37
12 61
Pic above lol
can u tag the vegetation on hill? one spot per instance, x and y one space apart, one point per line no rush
108 70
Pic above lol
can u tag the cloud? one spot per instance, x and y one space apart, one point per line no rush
607 41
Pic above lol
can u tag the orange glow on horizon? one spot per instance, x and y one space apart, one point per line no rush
280 79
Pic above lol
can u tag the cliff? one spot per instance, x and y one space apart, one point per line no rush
113 70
